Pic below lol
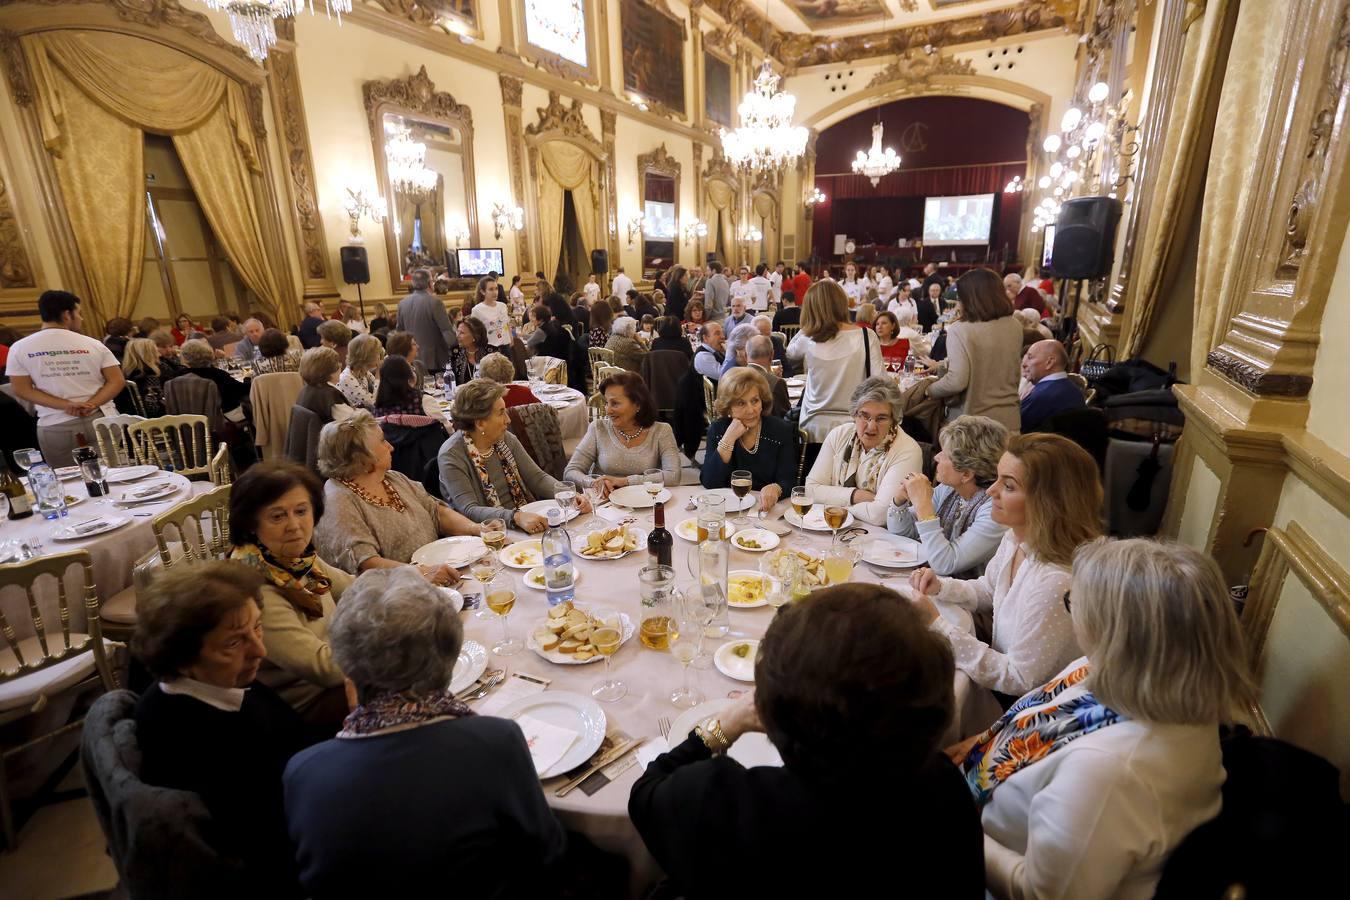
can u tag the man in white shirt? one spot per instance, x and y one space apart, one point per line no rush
740 288
709 357
760 289
70 377
620 288
592 288
716 294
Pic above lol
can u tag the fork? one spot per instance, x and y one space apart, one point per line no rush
663 725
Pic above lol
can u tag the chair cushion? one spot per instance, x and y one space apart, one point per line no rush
24 691
120 609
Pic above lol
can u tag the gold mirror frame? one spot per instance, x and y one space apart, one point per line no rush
416 97
659 162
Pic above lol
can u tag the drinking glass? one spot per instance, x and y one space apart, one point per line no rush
26 457
686 639
566 498
839 562
654 480
741 483
483 570
801 505
606 639
656 585
595 492
500 596
494 534
707 605
779 571
835 516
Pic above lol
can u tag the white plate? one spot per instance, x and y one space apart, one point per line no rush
564 710
796 381
894 552
559 404
455 597
522 554
470 666
639 537
815 519
733 666
67 473
565 659
688 529
766 539
106 523
747 573
635 496
456 551
734 503
72 500
541 507
751 749
535 577
550 389
147 493
130 473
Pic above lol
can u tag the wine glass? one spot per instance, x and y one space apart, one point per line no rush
500 595
606 638
27 458
566 498
801 505
595 492
654 480
686 640
779 574
741 482
706 604
483 570
835 516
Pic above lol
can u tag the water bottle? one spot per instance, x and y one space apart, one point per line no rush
449 384
559 574
51 496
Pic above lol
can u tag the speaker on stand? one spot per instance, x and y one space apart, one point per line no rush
1085 244
356 270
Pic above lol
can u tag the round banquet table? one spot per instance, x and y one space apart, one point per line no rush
650 675
113 553
570 404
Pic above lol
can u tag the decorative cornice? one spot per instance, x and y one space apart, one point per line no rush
608 120
416 94
916 69
416 12
659 161
15 272
15 70
511 89
721 167
1256 380
557 117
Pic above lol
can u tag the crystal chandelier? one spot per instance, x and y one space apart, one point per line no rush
766 140
254 21
408 173
876 162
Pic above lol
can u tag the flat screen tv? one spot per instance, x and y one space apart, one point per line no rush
958 221
480 261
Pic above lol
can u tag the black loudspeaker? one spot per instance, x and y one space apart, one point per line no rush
355 265
1085 237
710 258
600 262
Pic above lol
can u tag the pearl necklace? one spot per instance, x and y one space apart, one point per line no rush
629 438
755 449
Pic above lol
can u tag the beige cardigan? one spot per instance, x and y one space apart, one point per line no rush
983 366
299 664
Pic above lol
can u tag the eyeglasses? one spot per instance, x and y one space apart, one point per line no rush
1068 605
865 419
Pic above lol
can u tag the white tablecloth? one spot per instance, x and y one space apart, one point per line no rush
113 552
568 403
650 675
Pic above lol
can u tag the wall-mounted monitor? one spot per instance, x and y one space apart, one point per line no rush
958 221
479 261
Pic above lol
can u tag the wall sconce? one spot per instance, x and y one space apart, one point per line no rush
361 202
695 230
816 196
752 236
458 236
635 223
506 218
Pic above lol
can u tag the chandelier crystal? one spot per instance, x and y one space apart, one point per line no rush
254 21
408 173
766 139
876 162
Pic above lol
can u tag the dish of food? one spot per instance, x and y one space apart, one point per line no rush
610 543
747 589
688 529
736 659
535 577
755 540
522 554
812 567
564 637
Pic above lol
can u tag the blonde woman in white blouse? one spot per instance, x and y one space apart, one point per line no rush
1130 761
1049 496
358 382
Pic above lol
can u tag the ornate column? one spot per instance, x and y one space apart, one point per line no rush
807 168
697 182
607 122
288 109
515 142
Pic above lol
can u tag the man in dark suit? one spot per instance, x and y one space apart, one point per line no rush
928 303
930 276
1052 391
422 314
759 355
308 332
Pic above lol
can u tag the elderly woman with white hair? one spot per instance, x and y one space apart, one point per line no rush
375 517
737 343
501 370
199 359
415 788
955 520
357 381
863 463
628 353
1127 759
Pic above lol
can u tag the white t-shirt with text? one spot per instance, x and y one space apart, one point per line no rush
497 320
65 364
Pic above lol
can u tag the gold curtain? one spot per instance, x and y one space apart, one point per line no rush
1181 170
722 197
144 86
565 167
1230 188
766 211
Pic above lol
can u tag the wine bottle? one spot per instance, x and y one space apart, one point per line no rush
86 457
660 544
12 488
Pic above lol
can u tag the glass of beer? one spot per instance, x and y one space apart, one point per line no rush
500 595
606 639
741 483
801 505
685 636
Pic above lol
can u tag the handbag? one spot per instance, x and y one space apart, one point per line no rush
1098 363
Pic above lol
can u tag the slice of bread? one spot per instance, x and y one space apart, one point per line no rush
548 641
569 646
583 655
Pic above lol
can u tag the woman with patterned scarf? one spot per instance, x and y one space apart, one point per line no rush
862 464
273 509
955 520
1116 759
485 472
415 789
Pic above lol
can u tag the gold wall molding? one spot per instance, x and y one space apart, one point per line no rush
698 203
15 270
608 122
914 69
515 134
568 120
999 90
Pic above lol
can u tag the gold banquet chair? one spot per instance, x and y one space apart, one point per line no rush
221 471
598 356
183 442
113 444
45 664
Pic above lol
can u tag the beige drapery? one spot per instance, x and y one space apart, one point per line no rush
722 199
766 211
97 93
1229 185
1181 171
565 167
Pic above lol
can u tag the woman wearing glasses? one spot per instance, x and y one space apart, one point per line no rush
863 463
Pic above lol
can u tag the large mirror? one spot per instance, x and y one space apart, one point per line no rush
659 196
423 144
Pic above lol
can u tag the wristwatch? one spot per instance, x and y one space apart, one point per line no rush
709 731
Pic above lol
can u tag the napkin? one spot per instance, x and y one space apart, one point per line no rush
613 514
547 742
515 687
651 750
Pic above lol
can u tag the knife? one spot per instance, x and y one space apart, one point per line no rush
617 753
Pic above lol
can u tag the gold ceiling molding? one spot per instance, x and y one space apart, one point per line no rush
414 11
415 94
15 272
916 69
557 117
